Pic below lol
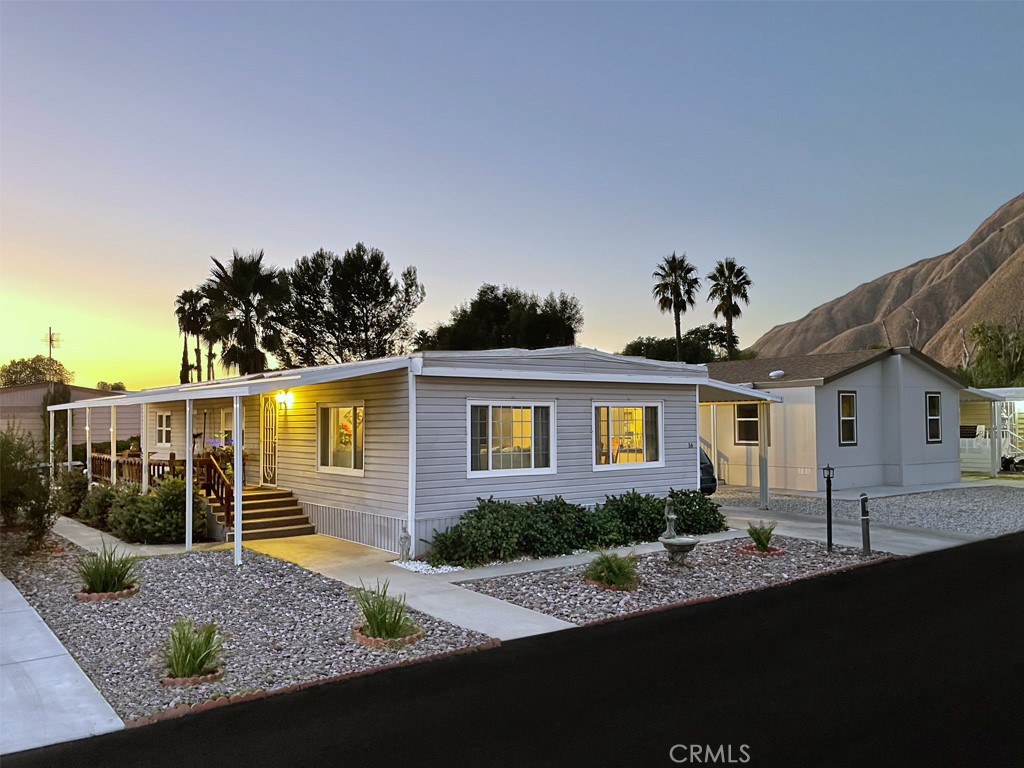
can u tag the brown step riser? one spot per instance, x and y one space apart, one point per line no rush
275 522
248 502
303 530
260 514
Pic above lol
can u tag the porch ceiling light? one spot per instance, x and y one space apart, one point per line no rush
284 399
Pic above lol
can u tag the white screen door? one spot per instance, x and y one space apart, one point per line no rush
268 445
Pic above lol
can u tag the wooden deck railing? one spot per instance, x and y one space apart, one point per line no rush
100 466
129 469
221 488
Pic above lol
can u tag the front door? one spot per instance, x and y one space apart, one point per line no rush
268 443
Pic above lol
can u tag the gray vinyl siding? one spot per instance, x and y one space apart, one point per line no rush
384 487
443 491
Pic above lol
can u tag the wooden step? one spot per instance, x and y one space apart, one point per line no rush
251 503
274 522
259 514
274 533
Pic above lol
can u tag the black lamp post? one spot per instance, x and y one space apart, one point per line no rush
828 471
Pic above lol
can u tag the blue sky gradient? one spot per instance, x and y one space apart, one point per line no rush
550 146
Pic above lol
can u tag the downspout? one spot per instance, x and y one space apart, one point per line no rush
415 366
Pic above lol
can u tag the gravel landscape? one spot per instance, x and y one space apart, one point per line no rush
282 624
983 511
718 569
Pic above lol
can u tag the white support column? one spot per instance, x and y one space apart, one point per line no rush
762 452
88 444
696 413
70 435
995 437
239 479
144 440
53 459
113 445
411 522
189 481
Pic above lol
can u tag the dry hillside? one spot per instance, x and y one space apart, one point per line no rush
926 304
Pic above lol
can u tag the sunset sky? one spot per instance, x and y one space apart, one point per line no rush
548 146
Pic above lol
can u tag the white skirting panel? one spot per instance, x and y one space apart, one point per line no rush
361 527
425 528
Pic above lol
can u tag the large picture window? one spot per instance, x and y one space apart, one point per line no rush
627 434
340 438
163 429
847 418
511 437
933 416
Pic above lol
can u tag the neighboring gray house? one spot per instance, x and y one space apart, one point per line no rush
878 416
369 447
21 407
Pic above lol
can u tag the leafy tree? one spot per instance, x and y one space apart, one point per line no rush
729 286
348 308
246 301
34 370
675 289
373 310
998 355
111 386
499 318
703 344
23 490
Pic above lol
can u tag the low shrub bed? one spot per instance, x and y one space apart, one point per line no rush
504 530
154 518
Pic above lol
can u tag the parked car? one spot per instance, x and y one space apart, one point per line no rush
708 482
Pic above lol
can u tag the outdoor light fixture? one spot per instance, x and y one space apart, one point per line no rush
284 399
828 472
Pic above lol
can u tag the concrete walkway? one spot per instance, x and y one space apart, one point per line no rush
45 697
884 491
356 564
89 538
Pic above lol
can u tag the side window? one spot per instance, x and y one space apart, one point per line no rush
847 418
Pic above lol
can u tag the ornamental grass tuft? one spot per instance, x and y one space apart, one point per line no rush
191 652
107 570
611 570
384 615
762 534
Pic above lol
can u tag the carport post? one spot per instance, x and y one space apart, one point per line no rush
113 445
189 483
144 440
995 437
70 423
88 444
762 452
239 479
53 459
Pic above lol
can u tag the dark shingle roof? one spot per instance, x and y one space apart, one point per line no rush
798 368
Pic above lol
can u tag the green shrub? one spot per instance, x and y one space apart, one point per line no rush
607 527
696 514
95 509
554 527
611 570
490 531
126 515
107 571
762 534
23 488
384 615
69 492
164 513
641 516
189 651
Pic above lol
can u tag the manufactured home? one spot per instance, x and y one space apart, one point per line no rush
366 449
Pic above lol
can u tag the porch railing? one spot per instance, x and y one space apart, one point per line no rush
221 488
129 469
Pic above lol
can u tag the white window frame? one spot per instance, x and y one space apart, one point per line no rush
746 420
340 470
531 404
163 430
928 418
856 428
609 404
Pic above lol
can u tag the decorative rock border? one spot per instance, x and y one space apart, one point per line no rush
92 597
236 698
751 549
177 682
381 643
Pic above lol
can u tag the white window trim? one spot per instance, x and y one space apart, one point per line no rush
928 418
856 426
736 425
477 473
166 430
659 404
316 458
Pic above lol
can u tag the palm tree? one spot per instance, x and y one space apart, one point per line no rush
729 284
188 310
246 300
676 289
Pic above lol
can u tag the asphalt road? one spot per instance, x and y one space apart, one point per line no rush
912 662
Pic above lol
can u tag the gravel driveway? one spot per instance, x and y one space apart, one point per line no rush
283 624
983 511
718 569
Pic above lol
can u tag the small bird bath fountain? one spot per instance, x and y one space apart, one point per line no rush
678 546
